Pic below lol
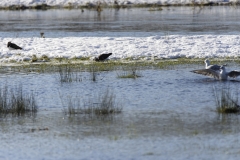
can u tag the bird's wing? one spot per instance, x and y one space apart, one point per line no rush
214 67
13 45
234 74
207 72
18 47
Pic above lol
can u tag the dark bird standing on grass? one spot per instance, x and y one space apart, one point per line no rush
13 46
102 57
222 75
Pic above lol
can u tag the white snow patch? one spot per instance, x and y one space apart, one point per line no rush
172 46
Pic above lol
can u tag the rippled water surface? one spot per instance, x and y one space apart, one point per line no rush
170 20
177 90
166 114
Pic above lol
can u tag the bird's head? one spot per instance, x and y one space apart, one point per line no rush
8 44
222 67
207 61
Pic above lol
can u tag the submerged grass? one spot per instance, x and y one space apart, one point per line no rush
226 102
15 102
68 74
93 69
104 105
131 71
65 73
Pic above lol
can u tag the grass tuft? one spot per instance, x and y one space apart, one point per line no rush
93 69
226 102
131 71
66 74
15 102
104 105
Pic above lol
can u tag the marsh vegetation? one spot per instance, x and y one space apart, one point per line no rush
104 104
131 71
68 74
16 102
226 100
55 65
120 111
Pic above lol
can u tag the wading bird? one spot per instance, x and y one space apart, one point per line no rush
213 67
222 75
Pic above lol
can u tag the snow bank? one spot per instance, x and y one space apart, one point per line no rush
172 46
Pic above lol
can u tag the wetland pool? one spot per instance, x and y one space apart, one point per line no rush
166 114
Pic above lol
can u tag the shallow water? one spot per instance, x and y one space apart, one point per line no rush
165 113
156 89
170 89
177 91
171 20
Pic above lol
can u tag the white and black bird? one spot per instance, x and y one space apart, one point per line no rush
13 46
219 75
213 67
102 57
